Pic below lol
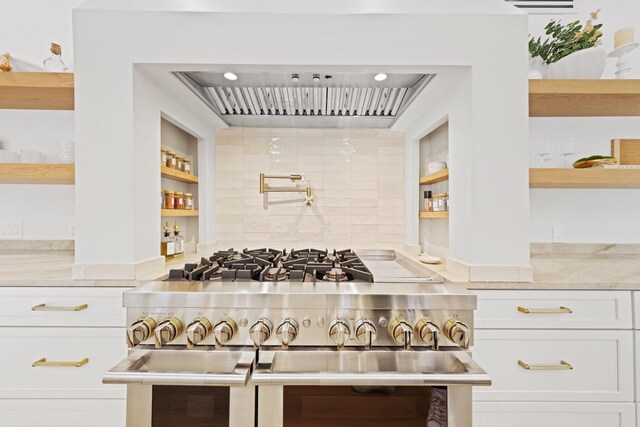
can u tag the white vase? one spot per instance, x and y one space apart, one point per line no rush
583 64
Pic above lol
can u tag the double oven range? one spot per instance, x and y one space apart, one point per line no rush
305 338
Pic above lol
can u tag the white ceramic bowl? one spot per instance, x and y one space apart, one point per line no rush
434 167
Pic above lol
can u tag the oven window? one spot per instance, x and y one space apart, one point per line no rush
365 407
190 406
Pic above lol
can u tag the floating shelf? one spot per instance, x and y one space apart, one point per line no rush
36 91
434 215
584 178
443 175
40 173
178 175
178 212
579 98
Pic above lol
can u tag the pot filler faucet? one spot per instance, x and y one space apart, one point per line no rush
265 188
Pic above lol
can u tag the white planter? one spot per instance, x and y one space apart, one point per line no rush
584 64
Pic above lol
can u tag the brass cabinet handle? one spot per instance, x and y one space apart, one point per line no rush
563 366
43 362
45 307
544 310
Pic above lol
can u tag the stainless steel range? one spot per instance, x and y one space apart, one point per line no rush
299 338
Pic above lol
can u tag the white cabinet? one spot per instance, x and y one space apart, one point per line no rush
62 412
554 310
553 414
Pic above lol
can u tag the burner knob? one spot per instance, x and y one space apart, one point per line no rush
140 330
366 332
339 332
287 331
260 331
224 331
167 331
401 332
428 332
197 331
457 332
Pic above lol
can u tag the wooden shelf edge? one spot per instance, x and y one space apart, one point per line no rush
178 212
37 91
37 173
584 178
178 175
434 178
434 215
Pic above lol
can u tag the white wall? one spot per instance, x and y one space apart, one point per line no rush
586 216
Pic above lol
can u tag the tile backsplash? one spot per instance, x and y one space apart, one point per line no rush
357 177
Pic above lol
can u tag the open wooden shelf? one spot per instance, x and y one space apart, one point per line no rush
443 175
178 175
434 215
178 212
36 91
590 98
40 173
584 178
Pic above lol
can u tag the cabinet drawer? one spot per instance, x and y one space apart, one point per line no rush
62 307
554 310
553 414
602 364
21 347
62 413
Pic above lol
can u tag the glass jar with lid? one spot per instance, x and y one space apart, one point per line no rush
186 165
171 159
169 199
179 164
188 201
163 156
445 201
178 200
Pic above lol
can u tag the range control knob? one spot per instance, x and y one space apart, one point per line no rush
260 331
366 332
167 331
287 331
339 332
140 330
428 332
224 330
401 332
457 332
197 331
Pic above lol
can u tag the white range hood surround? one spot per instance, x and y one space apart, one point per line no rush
126 52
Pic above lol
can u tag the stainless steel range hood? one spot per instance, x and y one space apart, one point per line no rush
334 100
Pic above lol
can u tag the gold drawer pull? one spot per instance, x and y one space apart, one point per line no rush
563 366
45 307
43 362
544 310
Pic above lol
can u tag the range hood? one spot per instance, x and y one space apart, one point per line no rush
314 100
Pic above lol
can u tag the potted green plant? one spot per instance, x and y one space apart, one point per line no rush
571 51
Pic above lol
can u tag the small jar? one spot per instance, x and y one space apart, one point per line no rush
436 202
188 201
179 165
186 165
427 201
169 199
178 200
445 201
171 159
163 156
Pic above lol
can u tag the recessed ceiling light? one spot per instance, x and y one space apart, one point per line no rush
380 77
230 76
316 78
295 77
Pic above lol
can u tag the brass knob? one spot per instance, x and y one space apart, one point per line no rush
287 331
428 332
260 331
458 332
339 332
140 330
366 332
224 330
167 331
401 332
197 331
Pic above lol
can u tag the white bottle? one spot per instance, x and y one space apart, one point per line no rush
54 63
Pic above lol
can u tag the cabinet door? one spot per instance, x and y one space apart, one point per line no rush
62 412
23 347
72 306
525 309
548 365
553 414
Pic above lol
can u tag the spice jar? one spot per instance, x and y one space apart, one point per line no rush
186 165
445 201
188 201
169 199
179 165
178 200
436 202
171 159
163 156
427 201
